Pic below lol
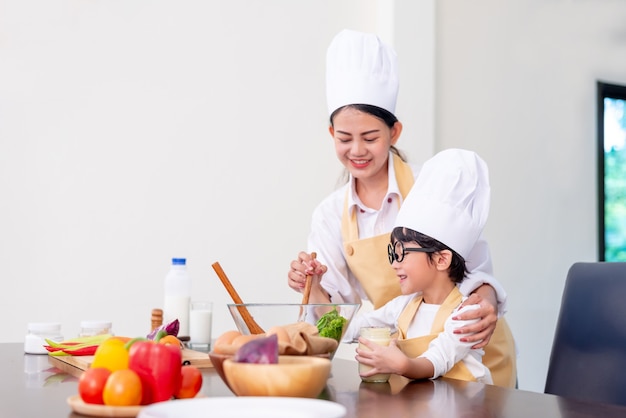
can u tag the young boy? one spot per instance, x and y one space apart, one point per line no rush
437 226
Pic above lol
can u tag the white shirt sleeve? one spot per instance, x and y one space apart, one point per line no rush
447 349
481 272
326 240
385 316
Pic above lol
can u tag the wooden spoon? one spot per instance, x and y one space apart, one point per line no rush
307 286
245 314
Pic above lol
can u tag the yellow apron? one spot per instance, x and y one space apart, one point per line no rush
414 347
368 260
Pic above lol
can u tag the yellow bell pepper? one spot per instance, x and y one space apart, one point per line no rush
111 354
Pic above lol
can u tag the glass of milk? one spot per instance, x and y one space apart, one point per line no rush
380 336
200 319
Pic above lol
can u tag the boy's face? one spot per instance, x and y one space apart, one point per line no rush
416 272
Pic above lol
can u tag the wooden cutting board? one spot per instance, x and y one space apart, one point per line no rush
75 365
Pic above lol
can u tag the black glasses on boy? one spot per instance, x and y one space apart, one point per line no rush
397 251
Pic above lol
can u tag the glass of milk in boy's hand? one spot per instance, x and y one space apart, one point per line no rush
380 336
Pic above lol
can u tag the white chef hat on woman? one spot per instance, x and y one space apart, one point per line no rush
360 69
449 200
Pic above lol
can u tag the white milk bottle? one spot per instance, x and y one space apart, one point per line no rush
177 295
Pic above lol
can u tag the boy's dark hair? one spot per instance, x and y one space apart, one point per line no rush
458 268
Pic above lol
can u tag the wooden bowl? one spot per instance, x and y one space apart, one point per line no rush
217 359
293 376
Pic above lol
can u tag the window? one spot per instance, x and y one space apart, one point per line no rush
612 171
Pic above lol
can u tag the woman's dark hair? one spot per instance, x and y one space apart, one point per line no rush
458 268
386 116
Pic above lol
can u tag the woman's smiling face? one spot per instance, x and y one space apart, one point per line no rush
362 143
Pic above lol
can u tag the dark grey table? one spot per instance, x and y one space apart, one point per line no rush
31 387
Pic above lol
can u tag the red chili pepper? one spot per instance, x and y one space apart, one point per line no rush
59 347
158 366
84 350
81 346
90 350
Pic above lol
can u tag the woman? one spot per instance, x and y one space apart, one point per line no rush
350 228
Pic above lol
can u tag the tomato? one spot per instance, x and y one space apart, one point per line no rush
91 384
190 383
123 388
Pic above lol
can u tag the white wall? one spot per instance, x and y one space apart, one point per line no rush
134 131
139 130
516 82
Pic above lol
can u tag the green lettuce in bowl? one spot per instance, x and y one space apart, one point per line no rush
331 325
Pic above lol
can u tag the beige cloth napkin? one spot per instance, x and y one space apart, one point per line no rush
305 340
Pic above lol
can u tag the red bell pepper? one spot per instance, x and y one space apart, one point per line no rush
158 366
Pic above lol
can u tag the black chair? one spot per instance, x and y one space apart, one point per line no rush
588 358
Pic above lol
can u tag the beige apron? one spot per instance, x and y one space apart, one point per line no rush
414 347
368 260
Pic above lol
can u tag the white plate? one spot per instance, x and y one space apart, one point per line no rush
244 406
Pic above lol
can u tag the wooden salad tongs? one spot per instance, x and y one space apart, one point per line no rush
306 292
307 287
245 314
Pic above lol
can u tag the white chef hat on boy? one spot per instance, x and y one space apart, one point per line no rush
449 200
360 69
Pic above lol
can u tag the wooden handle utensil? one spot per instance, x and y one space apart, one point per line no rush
307 286
245 314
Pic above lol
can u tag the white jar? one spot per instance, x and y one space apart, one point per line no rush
37 334
380 336
93 328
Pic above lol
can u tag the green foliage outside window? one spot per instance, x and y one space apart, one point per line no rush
615 179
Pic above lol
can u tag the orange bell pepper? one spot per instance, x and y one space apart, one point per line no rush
170 339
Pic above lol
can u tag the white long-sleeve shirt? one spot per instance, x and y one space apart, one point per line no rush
444 351
326 240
